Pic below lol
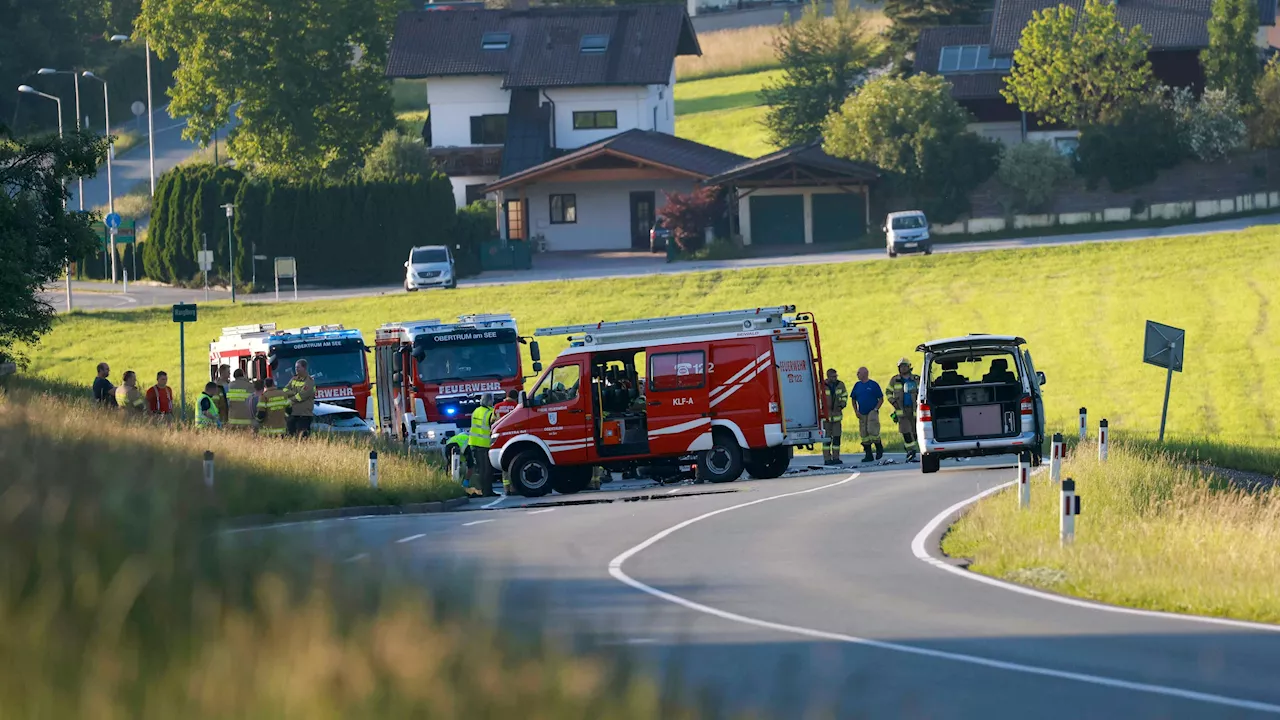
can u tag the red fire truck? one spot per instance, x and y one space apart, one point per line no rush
334 355
436 373
721 392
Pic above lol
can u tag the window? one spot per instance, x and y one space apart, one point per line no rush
428 256
564 209
595 120
677 371
970 58
488 129
594 43
909 222
474 193
558 386
495 41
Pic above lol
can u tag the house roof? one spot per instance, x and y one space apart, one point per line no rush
810 157
964 86
544 45
648 147
1172 24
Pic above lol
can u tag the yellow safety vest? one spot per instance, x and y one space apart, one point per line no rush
201 419
481 420
272 405
837 398
238 394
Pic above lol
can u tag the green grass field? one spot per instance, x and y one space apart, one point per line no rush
1082 309
725 112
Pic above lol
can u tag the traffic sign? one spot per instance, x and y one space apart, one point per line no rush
205 258
1163 346
137 107
184 312
112 220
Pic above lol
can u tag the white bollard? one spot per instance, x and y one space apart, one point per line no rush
373 468
126 282
1056 454
1024 482
1084 424
1104 440
1069 509
208 469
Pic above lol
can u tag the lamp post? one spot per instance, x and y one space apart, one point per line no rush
231 249
73 74
111 198
151 135
66 266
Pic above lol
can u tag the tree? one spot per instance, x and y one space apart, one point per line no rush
1140 139
37 234
688 215
398 157
1231 61
1078 68
1264 122
908 17
1033 171
1210 127
307 75
823 60
916 131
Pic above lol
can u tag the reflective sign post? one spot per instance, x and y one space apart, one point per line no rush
183 313
1163 347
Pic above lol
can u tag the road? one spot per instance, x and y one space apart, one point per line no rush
595 266
773 15
804 595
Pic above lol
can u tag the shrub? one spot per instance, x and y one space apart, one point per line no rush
477 224
1264 123
397 157
1210 127
1033 171
689 214
1130 151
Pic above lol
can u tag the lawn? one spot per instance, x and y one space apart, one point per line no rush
725 112
1081 307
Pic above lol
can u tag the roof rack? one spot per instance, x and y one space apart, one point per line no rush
712 323
263 328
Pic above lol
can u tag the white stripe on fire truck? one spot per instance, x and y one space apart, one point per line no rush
721 398
748 367
681 427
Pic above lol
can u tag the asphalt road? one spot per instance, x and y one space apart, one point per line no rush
803 595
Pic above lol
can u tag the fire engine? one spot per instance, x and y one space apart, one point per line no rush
437 373
721 392
334 355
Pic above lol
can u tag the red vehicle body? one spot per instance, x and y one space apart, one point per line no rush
721 392
335 355
432 374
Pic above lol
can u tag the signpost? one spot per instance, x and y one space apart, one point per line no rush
1163 347
138 109
286 267
112 221
183 313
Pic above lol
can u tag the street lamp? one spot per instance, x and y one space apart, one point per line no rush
151 135
111 198
231 249
32 91
72 73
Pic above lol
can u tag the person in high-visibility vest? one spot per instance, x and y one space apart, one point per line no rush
239 393
461 472
207 409
272 418
904 391
301 392
834 399
160 398
478 444
128 396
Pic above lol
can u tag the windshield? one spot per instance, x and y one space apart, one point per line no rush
429 255
469 360
908 222
341 367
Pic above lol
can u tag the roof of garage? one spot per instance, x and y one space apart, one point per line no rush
799 165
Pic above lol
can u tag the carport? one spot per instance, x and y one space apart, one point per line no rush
800 196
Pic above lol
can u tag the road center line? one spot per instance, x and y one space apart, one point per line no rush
411 538
615 569
476 522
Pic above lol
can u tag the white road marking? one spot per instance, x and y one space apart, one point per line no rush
673 492
357 557
476 522
919 550
539 512
615 569
494 503
411 538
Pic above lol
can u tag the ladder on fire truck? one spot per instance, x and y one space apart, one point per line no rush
675 326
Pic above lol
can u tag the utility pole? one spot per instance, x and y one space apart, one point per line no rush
231 249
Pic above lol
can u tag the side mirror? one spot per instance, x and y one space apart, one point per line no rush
406 264
534 353
537 366
1040 376
397 363
524 399
397 377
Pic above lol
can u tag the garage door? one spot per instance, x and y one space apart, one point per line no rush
838 218
777 220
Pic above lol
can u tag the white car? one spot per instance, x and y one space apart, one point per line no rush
907 232
429 266
338 419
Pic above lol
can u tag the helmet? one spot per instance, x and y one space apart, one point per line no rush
904 361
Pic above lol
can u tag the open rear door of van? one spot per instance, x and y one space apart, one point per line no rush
797 386
1033 381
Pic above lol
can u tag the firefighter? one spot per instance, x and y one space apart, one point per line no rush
223 381
461 473
509 403
904 390
835 397
207 407
478 444
868 398
301 392
272 418
128 397
239 402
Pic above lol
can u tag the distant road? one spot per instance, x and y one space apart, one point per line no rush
772 15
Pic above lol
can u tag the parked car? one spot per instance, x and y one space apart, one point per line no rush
907 232
429 266
979 395
331 418
659 236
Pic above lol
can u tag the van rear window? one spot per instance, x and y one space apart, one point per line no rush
973 369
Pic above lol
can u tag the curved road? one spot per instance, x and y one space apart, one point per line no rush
803 595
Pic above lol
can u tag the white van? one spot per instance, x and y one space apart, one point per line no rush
429 266
979 395
907 232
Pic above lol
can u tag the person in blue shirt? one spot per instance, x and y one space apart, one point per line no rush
867 399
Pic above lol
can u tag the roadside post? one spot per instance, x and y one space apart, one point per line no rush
287 268
1162 346
256 260
373 468
1056 453
205 259
112 221
125 290
231 241
184 313
1069 508
1084 424
208 469
1104 440
1024 482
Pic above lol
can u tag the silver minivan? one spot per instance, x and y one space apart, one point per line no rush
907 232
979 395
429 266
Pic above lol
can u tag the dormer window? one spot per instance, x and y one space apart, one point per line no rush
594 43
970 58
495 41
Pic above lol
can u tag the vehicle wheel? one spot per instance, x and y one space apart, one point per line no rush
928 249
452 286
929 463
723 462
530 473
769 463
570 480
1037 458
409 289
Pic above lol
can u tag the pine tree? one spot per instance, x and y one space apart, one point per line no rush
1231 62
908 17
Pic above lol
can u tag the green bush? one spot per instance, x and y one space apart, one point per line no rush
477 224
397 157
1132 150
1033 171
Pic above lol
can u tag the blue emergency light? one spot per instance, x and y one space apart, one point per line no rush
451 410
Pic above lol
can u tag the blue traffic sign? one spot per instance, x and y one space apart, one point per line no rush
112 220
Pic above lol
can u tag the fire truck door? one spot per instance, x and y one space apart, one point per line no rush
677 399
562 416
796 384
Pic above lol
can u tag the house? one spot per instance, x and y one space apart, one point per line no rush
976 58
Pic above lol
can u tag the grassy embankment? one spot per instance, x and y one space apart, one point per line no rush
118 600
1081 307
1154 533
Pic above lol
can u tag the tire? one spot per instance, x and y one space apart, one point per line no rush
409 289
1037 458
570 480
452 286
723 462
769 463
531 474
928 249
929 463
